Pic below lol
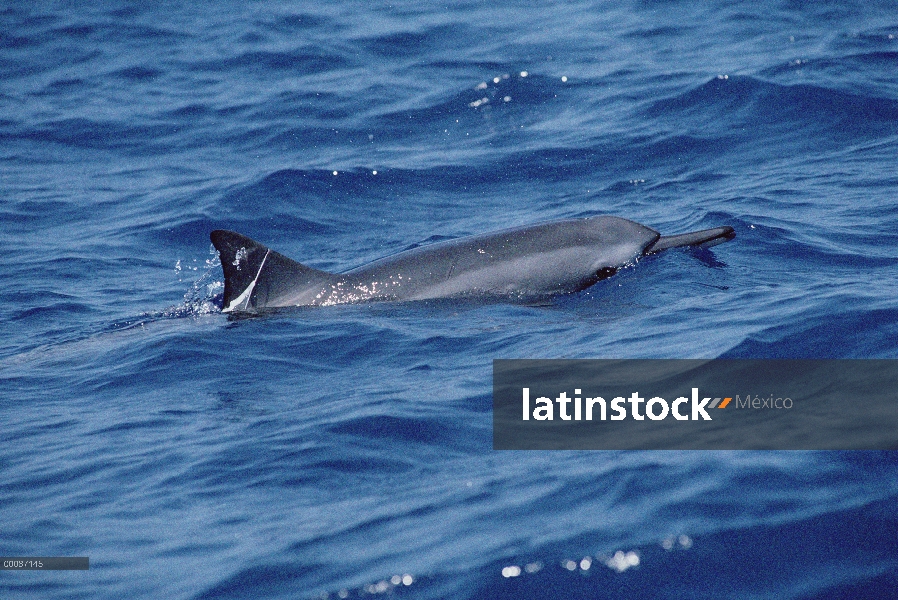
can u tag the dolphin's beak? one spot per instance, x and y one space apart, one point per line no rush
705 239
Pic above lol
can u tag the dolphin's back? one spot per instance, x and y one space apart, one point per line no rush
534 261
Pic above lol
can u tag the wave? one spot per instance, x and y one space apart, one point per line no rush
734 102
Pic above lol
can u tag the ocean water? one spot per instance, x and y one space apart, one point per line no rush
347 451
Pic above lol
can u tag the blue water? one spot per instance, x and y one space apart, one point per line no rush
346 451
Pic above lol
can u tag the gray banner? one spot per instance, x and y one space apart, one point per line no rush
44 563
718 404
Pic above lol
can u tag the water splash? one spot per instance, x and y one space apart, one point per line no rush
205 295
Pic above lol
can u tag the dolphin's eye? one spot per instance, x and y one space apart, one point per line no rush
605 273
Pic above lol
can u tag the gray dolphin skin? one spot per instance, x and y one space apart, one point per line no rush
522 264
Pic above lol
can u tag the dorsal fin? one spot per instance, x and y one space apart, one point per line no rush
256 276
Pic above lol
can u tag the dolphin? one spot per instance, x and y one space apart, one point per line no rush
529 263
